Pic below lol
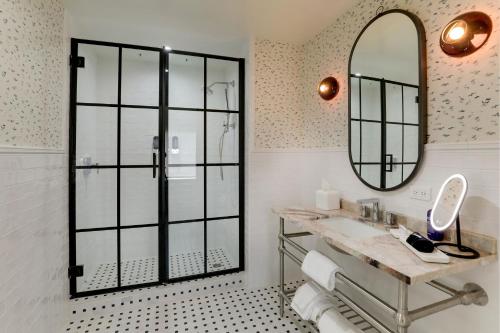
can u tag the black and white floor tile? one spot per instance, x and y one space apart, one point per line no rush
226 311
144 270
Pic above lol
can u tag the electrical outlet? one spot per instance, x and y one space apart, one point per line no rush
421 193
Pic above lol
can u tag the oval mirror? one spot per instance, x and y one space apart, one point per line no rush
388 100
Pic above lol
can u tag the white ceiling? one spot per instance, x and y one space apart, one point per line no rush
202 25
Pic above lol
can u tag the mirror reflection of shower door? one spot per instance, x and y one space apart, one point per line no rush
115 185
204 229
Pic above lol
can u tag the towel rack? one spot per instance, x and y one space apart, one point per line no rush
402 316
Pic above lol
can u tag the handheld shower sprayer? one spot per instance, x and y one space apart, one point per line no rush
228 124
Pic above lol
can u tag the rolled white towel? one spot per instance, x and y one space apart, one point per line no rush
321 269
333 322
310 302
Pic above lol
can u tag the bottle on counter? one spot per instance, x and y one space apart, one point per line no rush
431 232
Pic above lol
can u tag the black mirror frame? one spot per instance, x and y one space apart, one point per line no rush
422 93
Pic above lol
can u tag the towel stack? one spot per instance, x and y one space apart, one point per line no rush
311 303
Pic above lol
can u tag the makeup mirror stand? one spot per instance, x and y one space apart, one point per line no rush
473 254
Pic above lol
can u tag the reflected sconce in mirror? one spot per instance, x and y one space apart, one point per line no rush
328 88
465 34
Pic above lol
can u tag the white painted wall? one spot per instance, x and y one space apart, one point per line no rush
33 241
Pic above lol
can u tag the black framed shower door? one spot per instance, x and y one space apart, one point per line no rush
138 151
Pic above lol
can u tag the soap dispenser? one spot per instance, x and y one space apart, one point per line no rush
326 198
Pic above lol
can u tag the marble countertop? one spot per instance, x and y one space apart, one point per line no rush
384 251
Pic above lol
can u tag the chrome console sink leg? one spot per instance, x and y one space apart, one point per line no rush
282 267
403 320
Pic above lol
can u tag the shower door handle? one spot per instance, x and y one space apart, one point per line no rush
154 165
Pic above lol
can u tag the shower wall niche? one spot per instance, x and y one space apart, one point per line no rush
156 166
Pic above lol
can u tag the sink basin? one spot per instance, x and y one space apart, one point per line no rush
352 228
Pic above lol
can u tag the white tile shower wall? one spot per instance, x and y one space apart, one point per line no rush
33 242
290 178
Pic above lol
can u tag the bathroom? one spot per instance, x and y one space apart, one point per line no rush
263 118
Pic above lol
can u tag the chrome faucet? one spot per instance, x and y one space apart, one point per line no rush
375 208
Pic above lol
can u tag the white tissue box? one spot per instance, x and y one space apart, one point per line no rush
327 200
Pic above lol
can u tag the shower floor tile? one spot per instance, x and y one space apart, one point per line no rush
192 263
145 270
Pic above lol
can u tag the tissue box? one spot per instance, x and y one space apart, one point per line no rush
327 200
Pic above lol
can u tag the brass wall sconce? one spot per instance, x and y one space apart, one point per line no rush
465 34
328 88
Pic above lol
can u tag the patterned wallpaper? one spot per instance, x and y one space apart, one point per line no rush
278 84
31 73
463 92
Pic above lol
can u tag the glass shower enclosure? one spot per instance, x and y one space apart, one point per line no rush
156 166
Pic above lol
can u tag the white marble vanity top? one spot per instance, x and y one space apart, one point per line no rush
380 250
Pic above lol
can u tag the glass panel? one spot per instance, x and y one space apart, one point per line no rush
96 251
96 136
411 144
185 188
185 75
186 249
222 244
139 127
410 105
371 174
371 142
394 142
393 178
98 80
222 84
95 197
139 196
222 191
140 77
185 136
222 137
355 141
394 102
139 255
370 100
355 97
408 169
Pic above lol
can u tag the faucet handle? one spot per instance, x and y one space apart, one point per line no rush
364 210
390 218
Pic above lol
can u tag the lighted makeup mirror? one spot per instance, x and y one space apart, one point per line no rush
446 212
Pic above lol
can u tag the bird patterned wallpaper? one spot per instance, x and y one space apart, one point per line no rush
463 93
32 69
278 89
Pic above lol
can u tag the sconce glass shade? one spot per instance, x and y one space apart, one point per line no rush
328 88
465 34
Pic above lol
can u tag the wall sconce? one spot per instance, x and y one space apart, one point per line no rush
465 34
328 88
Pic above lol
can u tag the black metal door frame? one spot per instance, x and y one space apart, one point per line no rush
74 270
